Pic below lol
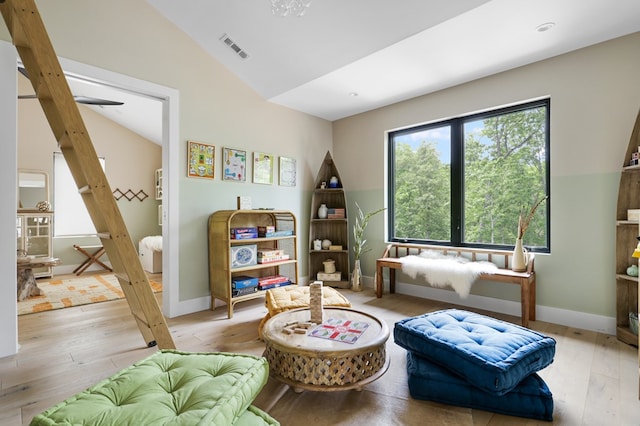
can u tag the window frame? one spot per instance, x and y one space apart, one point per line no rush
457 143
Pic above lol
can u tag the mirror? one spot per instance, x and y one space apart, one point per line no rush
33 187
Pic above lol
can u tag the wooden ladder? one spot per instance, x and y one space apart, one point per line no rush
49 82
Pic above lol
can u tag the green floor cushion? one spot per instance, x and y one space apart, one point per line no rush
253 416
169 388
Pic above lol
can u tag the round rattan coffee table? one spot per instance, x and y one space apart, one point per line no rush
305 361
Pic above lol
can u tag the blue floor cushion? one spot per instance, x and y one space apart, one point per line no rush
530 398
490 354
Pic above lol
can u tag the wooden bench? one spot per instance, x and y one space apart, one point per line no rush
526 280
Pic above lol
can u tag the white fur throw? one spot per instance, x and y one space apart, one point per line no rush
441 270
152 243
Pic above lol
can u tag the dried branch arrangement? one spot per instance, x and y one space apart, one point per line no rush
524 221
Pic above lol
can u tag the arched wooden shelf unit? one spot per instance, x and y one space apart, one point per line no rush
334 229
627 231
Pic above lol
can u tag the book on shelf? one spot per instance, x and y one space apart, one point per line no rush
264 230
274 285
243 233
338 213
243 291
272 259
243 281
268 252
272 279
276 234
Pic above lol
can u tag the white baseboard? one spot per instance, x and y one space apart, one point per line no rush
564 317
582 320
190 306
68 269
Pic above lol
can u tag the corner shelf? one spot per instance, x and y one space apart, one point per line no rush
627 232
335 230
221 244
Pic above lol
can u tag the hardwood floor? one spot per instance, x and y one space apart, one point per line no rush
594 377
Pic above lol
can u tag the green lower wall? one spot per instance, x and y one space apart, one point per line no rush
577 275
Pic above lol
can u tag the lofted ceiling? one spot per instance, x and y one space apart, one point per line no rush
139 113
344 57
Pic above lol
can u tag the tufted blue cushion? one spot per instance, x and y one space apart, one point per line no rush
170 388
530 398
488 353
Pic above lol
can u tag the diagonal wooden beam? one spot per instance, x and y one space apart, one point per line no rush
52 90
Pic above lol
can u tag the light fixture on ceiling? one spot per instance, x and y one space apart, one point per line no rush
289 7
545 27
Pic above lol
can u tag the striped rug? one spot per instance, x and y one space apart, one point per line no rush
64 293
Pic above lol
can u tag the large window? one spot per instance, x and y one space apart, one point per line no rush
465 181
71 215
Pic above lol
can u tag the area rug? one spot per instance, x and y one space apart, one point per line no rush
65 293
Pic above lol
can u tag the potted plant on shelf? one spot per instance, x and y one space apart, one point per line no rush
359 246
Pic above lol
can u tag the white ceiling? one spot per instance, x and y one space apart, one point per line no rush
140 114
384 51
389 50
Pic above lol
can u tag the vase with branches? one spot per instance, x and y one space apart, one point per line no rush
359 245
520 255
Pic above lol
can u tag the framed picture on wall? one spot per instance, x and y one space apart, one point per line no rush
287 169
234 165
201 159
262 168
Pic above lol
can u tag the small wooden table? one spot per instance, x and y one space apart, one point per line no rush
93 256
27 285
313 363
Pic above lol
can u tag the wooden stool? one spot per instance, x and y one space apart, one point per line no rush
91 258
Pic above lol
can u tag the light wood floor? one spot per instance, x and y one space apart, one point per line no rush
594 377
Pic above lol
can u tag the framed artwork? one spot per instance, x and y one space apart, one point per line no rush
201 159
287 169
262 168
234 165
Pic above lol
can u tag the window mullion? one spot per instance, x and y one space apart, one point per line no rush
457 181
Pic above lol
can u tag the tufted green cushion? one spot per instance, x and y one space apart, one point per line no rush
254 416
169 388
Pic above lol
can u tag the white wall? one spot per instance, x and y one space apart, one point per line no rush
8 136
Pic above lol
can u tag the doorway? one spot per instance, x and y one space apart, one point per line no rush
122 86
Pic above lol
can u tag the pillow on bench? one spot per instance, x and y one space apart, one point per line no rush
490 354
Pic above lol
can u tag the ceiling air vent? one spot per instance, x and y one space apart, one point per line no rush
233 46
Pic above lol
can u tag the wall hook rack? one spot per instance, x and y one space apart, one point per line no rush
129 194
